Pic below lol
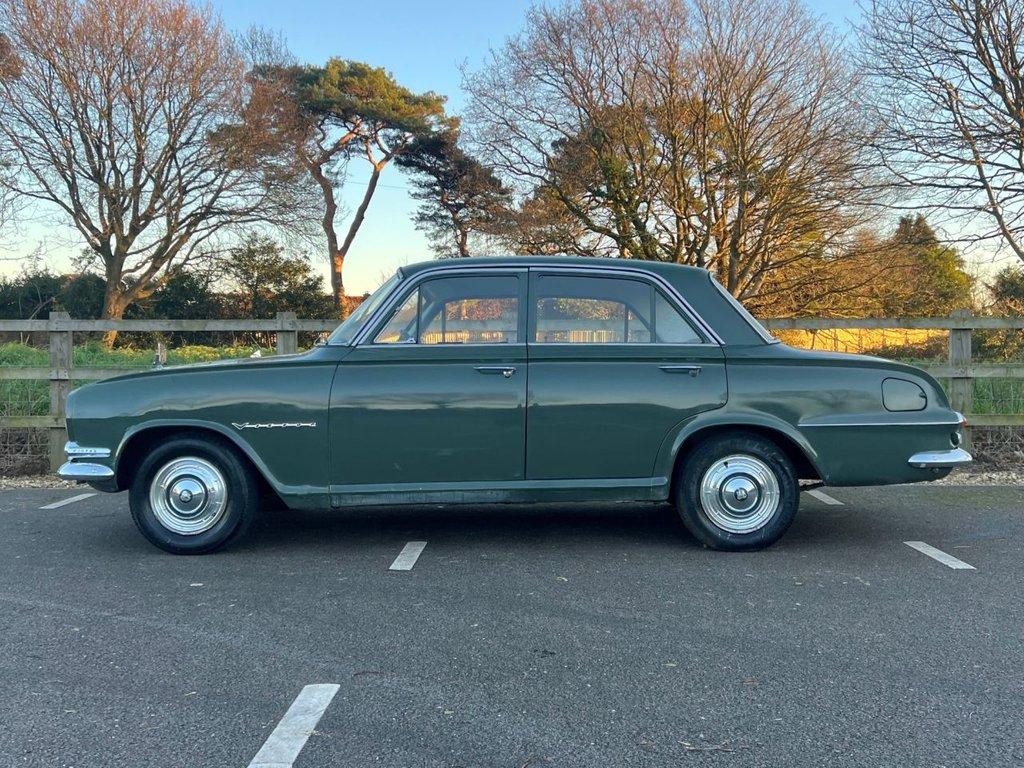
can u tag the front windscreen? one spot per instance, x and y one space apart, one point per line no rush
348 330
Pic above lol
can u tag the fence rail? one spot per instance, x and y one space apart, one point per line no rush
285 321
959 368
956 321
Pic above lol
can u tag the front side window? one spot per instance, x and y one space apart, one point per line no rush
457 310
601 310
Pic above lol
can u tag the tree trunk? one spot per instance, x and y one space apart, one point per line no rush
114 305
335 258
338 254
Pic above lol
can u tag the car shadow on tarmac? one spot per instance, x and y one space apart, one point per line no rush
505 524
497 523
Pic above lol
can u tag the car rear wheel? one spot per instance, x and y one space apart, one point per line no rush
737 491
192 495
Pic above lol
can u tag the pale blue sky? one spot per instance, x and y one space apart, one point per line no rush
424 44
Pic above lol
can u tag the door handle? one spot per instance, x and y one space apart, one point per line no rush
693 370
505 370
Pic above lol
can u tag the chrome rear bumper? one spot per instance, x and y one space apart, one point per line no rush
955 457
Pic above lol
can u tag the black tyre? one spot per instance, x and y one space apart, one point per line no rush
737 491
193 495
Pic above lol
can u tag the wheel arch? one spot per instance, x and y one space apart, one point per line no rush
135 441
784 435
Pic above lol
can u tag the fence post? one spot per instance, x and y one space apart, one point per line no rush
961 388
160 360
287 338
61 350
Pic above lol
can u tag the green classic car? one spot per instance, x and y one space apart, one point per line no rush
515 380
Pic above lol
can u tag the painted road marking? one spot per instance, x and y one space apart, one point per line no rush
72 500
938 554
408 556
290 736
822 496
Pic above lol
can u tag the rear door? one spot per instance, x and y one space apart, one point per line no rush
436 395
615 366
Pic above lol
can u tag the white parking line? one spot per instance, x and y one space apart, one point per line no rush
408 556
72 500
290 736
822 496
938 554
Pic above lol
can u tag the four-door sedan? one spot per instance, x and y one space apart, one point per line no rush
515 380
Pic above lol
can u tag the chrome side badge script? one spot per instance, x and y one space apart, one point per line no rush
273 424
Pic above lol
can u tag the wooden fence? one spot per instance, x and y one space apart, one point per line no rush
959 368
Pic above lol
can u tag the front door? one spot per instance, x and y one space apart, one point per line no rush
615 367
435 398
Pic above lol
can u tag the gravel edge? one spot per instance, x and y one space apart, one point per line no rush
34 481
983 476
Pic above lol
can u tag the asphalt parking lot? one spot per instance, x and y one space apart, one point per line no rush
517 636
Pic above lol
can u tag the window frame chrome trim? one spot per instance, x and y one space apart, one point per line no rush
445 344
376 322
674 299
673 296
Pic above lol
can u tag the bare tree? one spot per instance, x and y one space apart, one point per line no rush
948 76
7 200
720 133
125 115
8 68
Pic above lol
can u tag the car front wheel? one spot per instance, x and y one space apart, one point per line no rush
737 491
193 495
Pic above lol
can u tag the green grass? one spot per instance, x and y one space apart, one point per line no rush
96 355
998 396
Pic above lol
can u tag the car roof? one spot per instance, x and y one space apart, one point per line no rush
694 284
477 262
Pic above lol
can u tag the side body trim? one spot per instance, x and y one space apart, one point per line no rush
517 491
877 423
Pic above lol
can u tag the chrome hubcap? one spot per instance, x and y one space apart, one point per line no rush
739 493
188 495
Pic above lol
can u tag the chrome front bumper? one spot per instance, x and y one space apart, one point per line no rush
955 457
75 468
84 471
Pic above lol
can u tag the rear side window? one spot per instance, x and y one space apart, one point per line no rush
571 309
457 310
